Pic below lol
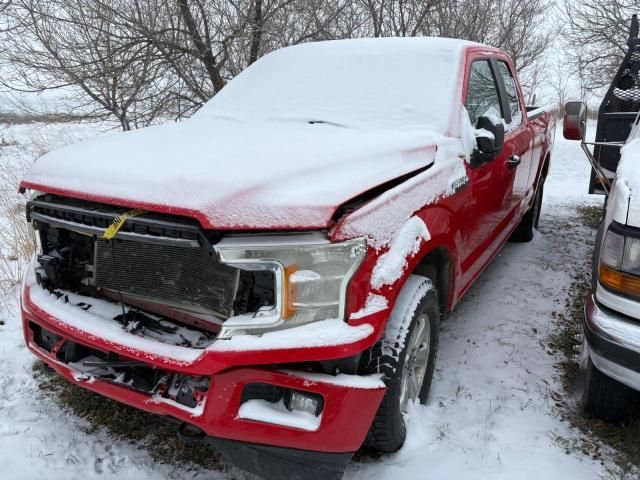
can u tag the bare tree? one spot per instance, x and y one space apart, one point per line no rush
533 81
201 41
401 18
202 45
560 83
595 38
4 5
138 60
74 45
516 26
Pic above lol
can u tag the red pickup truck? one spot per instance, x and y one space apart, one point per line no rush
271 273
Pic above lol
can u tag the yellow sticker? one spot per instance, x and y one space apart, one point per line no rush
118 222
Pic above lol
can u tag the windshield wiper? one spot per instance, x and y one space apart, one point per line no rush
326 122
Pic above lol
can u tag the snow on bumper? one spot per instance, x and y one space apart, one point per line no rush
347 400
323 340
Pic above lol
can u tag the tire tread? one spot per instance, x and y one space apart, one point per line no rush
606 398
387 433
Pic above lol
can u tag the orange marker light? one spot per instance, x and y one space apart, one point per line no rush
289 292
619 281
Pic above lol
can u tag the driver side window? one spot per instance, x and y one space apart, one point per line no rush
482 93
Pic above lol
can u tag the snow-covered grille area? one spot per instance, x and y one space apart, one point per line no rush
491 412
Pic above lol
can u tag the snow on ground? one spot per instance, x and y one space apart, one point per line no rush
491 409
37 138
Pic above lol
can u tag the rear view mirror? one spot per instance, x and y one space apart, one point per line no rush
489 139
575 121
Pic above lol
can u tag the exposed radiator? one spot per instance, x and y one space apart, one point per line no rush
185 277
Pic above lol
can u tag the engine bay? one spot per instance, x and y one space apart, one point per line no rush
160 273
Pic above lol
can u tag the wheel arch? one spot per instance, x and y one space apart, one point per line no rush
436 258
436 264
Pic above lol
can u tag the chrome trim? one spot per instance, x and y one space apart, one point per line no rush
611 327
271 320
617 330
108 215
605 144
89 230
618 303
262 320
605 182
617 372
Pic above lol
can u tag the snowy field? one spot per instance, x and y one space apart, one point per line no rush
492 412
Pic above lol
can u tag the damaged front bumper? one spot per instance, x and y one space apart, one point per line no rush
231 391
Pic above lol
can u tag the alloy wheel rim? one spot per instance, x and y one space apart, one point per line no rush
415 362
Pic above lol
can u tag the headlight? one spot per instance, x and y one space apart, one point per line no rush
619 269
312 276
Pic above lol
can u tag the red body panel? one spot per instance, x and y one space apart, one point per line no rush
470 225
211 362
342 405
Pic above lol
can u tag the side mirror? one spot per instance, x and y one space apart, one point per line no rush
489 139
575 121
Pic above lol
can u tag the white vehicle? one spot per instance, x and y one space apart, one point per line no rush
610 357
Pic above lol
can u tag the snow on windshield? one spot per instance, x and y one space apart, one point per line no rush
358 83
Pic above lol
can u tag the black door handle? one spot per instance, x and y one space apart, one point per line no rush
514 161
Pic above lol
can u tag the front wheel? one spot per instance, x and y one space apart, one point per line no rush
406 358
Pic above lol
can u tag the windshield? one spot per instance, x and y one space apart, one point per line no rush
354 83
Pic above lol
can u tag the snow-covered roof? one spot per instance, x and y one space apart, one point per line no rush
367 82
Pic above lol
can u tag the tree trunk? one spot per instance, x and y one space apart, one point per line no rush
256 31
204 50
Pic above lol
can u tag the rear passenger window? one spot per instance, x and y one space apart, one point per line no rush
512 93
482 94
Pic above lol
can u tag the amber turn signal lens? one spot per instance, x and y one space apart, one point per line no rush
289 292
619 281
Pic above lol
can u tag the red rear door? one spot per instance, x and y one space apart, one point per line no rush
518 138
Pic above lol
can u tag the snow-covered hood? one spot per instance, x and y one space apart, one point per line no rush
231 174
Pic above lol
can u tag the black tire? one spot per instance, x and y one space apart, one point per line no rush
418 297
606 398
524 231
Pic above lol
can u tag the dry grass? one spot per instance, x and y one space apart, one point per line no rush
20 118
17 238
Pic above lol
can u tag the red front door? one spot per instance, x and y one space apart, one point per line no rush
494 199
